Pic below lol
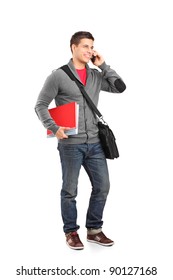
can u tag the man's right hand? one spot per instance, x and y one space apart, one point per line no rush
60 134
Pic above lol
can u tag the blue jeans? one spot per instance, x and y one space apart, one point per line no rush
92 158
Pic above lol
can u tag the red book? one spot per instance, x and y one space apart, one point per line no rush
66 116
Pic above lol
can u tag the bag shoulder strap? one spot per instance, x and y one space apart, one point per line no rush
67 70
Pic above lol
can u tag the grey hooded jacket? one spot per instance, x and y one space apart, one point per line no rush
62 89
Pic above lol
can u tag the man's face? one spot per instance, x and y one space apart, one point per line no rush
84 51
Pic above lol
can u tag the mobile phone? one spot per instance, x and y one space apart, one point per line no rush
93 58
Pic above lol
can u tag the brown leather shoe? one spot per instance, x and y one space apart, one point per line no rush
73 241
99 238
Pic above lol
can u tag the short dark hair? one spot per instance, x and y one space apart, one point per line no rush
75 39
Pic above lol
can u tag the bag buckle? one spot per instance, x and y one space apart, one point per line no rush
102 120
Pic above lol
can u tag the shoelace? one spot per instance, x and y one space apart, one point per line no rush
102 235
75 236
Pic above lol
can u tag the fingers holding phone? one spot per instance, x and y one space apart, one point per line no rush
97 59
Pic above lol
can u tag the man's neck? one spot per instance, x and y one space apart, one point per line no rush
77 64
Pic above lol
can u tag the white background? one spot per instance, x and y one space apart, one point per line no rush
135 38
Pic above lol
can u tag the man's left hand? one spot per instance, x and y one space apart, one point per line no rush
98 59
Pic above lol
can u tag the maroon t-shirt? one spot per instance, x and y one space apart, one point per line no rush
82 75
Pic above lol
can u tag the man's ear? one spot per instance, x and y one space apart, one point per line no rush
73 47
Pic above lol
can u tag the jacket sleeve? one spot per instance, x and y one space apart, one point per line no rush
111 81
47 94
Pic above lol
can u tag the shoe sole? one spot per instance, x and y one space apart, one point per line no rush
97 242
75 248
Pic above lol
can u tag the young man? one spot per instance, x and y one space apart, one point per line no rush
83 149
